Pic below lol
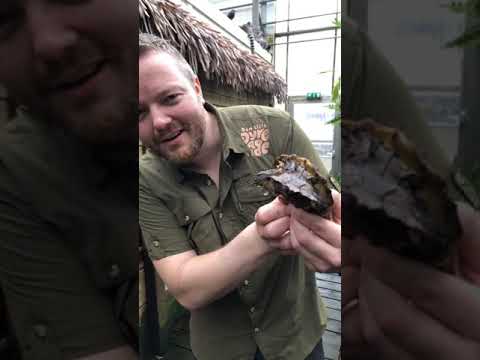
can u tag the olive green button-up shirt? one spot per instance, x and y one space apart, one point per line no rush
68 242
277 308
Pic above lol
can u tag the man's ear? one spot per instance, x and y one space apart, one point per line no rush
198 88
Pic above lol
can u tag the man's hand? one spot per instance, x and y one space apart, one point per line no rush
294 231
318 240
273 225
407 310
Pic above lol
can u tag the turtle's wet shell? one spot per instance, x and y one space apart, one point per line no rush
391 196
299 183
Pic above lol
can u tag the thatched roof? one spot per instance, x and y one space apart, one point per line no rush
209 51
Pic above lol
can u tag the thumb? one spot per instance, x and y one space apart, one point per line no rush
337 207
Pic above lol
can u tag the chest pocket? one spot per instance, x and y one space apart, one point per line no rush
250 198
196 218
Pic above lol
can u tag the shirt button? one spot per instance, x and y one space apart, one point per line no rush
220 216
156 243
114 271
252 309
257 330
246 282
187 218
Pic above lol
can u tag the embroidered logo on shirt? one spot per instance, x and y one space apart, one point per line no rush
257 139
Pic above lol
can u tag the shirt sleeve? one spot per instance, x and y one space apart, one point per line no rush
55 310
162 235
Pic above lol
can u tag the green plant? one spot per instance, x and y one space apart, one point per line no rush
471 35
336 101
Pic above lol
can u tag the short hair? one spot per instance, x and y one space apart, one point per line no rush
152 43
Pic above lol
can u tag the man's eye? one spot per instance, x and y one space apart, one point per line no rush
171 98
141 114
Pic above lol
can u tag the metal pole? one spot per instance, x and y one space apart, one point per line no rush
337 137
245 5
335 51
468 145
255 16
288 49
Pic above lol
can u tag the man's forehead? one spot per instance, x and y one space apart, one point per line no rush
156 82
161 64
157 56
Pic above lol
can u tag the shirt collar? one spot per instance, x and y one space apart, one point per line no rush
233 147
227 130
95 164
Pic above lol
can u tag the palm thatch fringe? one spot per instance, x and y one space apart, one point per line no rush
209 51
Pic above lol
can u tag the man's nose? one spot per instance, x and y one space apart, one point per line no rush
161 120
51 37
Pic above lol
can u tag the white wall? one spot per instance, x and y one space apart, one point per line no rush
422 29
208 13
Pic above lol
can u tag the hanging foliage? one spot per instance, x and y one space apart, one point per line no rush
471 35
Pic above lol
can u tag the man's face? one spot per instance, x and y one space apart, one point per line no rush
171 113
74 62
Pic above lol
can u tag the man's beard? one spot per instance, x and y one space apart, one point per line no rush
185 157
106 126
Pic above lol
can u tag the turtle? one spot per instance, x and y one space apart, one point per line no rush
393 197
299 183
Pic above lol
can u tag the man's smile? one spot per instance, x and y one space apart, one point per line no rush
171 136
77 79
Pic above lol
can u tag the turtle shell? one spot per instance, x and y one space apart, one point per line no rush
299 183
392 197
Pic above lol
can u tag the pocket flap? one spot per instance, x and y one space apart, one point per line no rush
249 192
191 209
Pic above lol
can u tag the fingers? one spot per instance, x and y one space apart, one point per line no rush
328 230
432 291
271 211
469 219
350 280
316 251
360 352
392 323
275 229
469 243
310 266
372 331
352 334
337 207
273 223
283 244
